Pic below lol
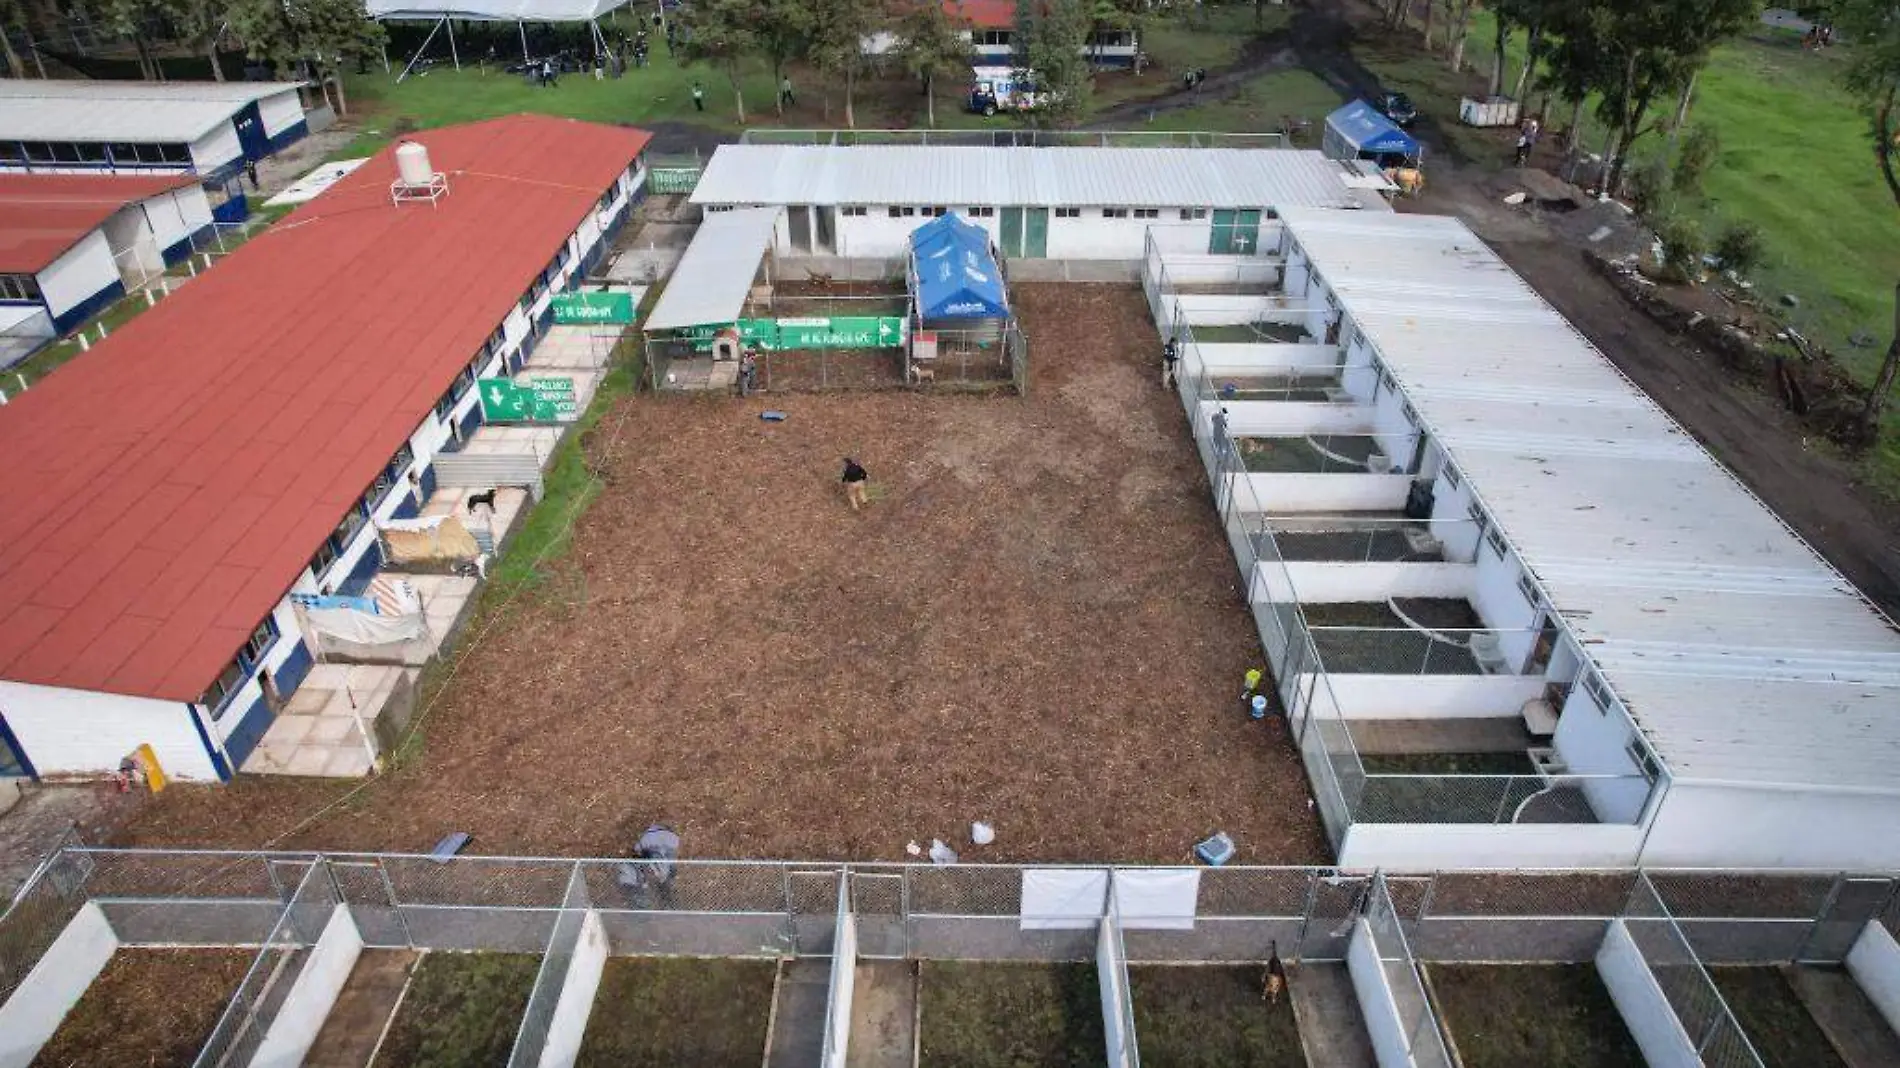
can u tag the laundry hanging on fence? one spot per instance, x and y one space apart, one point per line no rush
432 538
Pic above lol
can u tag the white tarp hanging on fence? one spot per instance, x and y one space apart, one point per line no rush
1057 899
363 628
1160 899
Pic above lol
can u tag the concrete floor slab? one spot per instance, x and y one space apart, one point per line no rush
1857 1030
883 1015
1332 1028
798 1018
362 1010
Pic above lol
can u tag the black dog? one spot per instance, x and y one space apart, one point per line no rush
481 498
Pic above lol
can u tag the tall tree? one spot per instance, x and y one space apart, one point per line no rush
1458 15
1056 50
1530 15
784 31
317 36
1872 30
201 21
839 30
131 19
723 33
930 42
13 17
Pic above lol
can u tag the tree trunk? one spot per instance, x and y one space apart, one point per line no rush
342 105
1431 8
850 112
145 58
1395 17
33 46
217 69
738 97
14 68
1457 29
1882 390
778 92
930 99
1531 41
1682 117
1497 58
1573 138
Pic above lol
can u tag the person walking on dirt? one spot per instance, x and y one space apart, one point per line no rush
1523 153
652 868
785 97
855 480
1170 355
748 372
699 97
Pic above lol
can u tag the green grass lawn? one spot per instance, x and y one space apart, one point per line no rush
1259 107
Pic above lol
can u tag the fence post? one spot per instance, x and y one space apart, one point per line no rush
1306 915
1820 915
1504 797
395 904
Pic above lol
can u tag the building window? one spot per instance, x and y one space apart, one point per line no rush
321 560
1114 213
719 207
39 152
260 642
900 211
982 213
1410 413
852 210
19 289
1528 587
1495 538
992 38
1598 690
932 211
347 530
168 154
226 684
1068 213
1147 213
1644 760
1190 214
1477 516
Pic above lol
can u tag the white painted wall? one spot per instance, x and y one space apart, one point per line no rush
79 273
1192 236
55 985
1591 741
1874 962
177 215
1640 1001
1115 995
1460 540
1431 696
1502 606
1240 360
578 987
80 732
216 148
135 250
1216 309
1206 268
313 995
1376 1004
1432 847
1331 494
1701 825
843 987
280 112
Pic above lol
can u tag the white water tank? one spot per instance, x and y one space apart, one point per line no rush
412 164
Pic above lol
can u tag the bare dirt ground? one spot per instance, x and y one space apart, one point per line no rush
1037 622
150 1007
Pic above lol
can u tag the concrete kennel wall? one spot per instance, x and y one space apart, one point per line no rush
313 995
79 274
1593 741
1203 309
1326 581
1186 270
1640 1001
1333 494
1110 973
844 985
1431 847
1431 696
55 985
1874 962
1239 360
1376 1004
578 988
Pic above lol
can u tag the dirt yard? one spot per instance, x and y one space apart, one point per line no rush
1037 622
150 1007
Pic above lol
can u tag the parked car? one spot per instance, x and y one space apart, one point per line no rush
1397 107
995 89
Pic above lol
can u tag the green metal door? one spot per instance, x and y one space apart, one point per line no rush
1221 240
1036 233
1246 236
1012 231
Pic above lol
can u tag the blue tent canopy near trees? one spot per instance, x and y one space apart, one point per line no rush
1358 131
955 271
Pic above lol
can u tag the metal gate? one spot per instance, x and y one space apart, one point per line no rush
365 887
811 911
877 899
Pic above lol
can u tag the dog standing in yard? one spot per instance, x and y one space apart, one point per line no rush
1276 976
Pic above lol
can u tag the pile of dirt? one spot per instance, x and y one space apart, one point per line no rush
1603 228
1808 380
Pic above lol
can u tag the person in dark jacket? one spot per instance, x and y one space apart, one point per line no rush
855 480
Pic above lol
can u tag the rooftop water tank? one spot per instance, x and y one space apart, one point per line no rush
412 164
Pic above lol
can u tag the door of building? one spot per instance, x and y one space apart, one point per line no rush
826 238
1035 232
1234 232
1012 243
250 131
799 219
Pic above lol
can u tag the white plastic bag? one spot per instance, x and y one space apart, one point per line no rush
940 853
982 833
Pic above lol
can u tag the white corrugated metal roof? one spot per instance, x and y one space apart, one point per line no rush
1047 177
715 273
1741 653
69 110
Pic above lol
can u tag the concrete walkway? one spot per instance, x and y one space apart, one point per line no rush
320 731
798 1017
1843 1013
362 1010
1331 1027
883 1015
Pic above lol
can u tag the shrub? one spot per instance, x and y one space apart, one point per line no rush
1700 146
1682 245
1739 248
1647 183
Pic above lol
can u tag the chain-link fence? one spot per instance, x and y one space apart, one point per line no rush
1677 920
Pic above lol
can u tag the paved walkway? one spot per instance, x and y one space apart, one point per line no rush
883 1015
355 1024
1845 1015
320 731
798 1019
1331 1026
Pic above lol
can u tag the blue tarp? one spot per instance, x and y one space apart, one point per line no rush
1361 126
957 276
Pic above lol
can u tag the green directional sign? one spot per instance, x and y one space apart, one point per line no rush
847 332
593 309
760 332
538 399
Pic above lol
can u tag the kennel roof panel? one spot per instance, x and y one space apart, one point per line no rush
715 272
956 176
146 112
187 468
1739 651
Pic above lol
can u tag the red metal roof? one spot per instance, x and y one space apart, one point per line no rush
43 215
984 14
161 494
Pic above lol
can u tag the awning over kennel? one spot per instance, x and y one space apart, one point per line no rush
715 274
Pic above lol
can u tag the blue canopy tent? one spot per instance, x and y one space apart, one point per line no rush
954 272
1358 131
